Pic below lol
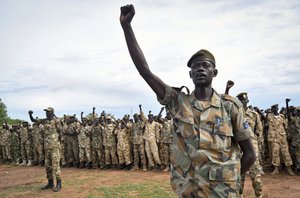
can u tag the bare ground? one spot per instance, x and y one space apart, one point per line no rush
16 181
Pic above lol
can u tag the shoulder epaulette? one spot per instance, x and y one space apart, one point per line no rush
232 99
179 89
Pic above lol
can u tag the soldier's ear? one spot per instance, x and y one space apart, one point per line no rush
215 72
190 72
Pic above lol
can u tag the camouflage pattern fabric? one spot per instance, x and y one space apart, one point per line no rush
166 141
15 146
123 146
277 137
25 143
52 128
97 151
138 142
72 142
6 139
205 158
84 143
151 136
110 145
255 124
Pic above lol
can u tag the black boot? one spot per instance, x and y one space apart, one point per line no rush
58 186
48 185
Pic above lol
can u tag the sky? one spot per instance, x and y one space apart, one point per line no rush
71 55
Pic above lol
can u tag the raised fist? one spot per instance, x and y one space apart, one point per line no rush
30 112
287 100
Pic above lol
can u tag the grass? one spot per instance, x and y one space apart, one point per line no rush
141 190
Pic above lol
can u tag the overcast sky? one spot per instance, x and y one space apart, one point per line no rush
72 55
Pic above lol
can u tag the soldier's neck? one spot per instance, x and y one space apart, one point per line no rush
203 93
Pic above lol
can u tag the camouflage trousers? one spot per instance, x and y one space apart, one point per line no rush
6 152
52 160
63 153
165 153
139 155
123 151
25 151
38 152
97 156
85 153
72 149
278 146
1 152
152 153
255 175
110 155
15 152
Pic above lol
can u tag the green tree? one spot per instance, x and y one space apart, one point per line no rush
3 111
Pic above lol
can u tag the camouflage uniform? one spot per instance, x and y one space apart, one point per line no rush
97 141
151 135
52 128
38 143
6 139
138 142
294 128
15 145
255 124
123 146
25 144
72 131
84 144
110 145
205 159
166 140
278 141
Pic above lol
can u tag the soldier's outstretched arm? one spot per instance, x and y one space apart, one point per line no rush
137 56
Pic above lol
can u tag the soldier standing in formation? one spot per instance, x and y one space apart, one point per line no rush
277 140
52 133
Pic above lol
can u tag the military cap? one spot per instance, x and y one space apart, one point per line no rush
203 54
242 96
49 109
275 105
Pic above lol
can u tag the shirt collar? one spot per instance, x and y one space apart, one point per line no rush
215 101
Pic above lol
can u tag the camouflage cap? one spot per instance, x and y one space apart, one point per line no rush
49 109
242 96
203 54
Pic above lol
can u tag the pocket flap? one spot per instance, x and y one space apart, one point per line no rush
223 173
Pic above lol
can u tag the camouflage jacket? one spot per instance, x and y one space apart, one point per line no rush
277 125
109 137
97 136
52 128
255 123
167 131
205 158
138 132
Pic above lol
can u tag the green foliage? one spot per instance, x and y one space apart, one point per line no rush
3 112
4 117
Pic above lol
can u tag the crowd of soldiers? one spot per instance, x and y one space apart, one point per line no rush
145 143
94 142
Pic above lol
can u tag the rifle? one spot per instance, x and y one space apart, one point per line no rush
288 113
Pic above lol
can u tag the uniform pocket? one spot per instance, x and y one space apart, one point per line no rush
223 174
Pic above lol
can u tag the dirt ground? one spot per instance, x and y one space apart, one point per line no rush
18 181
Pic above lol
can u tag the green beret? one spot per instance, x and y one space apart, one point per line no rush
242 96
205 54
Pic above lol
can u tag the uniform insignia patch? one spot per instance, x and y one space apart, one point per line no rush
246 124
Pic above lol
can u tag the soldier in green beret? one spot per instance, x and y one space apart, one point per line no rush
209 128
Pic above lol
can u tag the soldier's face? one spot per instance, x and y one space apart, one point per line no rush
202 72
